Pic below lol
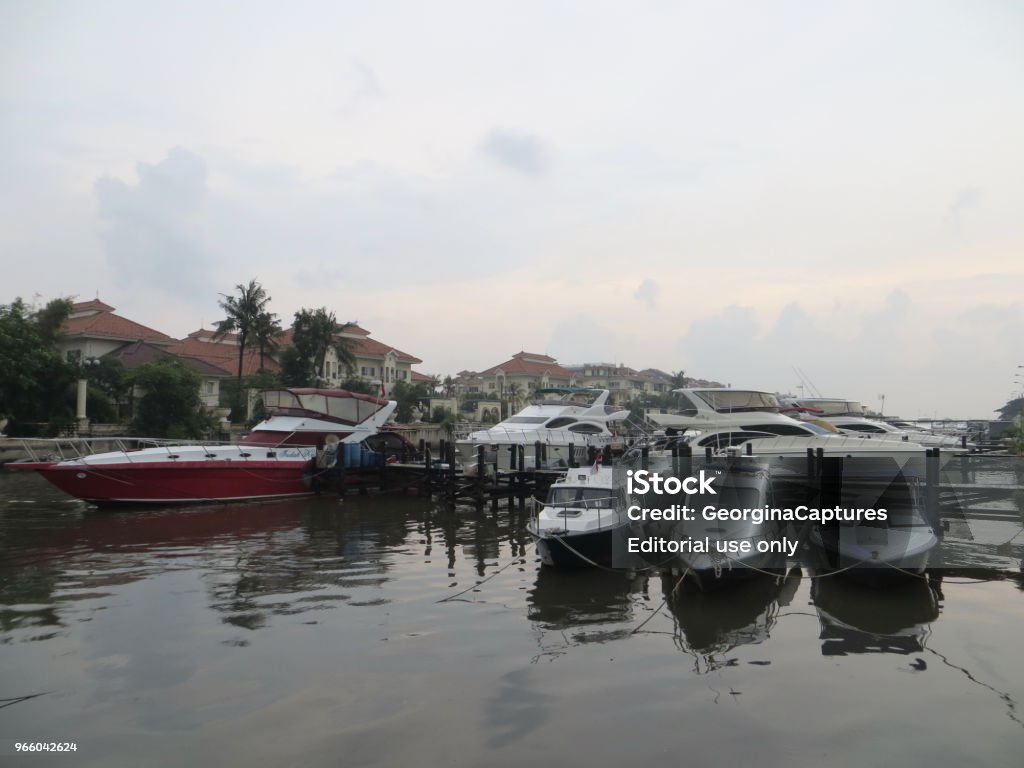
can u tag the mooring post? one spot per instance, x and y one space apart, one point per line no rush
707 453
572 456
522 458
536 456
750 448
675 458
645 456
686 465
931 495
591 455
480 455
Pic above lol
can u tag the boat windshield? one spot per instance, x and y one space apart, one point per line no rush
525 420
835 407
733 400
591 498
342 407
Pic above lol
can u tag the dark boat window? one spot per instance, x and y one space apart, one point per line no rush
782 429
862 428
721 440
591 498
586 429
558 423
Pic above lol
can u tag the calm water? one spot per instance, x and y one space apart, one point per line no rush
309 633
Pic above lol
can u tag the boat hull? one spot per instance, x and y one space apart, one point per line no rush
595 546
181 483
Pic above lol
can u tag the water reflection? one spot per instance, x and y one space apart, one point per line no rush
718 622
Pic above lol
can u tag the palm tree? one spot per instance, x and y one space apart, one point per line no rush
266 331
241 313
515 394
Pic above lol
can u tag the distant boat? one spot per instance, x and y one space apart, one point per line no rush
268 463
581 418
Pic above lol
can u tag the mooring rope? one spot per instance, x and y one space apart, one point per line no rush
517 559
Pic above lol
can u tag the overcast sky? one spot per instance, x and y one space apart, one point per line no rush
728 188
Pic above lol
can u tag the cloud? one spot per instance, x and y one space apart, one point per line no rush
521 152
151 231
647 292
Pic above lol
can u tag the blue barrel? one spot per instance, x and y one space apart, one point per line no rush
351 455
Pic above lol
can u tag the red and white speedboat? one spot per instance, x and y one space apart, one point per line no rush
268 463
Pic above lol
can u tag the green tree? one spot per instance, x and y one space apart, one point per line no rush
35 380
1012 408
109 388
242 316
407 396
51 317
170 405
296 370
266 332
314 332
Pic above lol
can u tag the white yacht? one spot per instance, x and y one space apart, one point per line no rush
582 419
850 418
724 418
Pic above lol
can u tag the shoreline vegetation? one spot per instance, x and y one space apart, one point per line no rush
39 384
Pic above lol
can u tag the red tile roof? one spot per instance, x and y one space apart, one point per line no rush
83 306
107 325
139 353
365 347
528 364
417 376
224 356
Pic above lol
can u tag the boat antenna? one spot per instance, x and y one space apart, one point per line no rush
806 381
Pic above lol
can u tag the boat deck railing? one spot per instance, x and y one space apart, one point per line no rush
605 506
72 448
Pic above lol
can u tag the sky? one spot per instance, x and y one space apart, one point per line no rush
732 189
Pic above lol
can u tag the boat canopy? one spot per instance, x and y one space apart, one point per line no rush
834 407
335 404
734 400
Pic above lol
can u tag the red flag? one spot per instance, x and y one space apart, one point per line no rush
383 392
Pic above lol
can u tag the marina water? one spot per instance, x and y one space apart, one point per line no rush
312 633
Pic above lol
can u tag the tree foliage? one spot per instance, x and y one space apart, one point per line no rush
246 315
314 332
170 405
35 381
1012 408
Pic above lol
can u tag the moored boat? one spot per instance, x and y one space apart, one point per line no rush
268 463
576 525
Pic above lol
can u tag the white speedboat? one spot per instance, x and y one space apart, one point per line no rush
582 419
576 524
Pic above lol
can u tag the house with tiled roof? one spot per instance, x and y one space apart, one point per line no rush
625 383
222 352
524 371
140 353
93 329
376 363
